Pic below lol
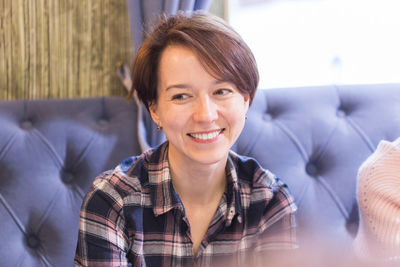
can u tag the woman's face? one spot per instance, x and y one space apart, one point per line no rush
201 116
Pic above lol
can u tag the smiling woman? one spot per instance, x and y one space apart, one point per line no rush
190 201
201 116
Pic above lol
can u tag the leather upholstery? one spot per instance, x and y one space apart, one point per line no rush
314 138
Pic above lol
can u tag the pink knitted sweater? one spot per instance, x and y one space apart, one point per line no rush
378 192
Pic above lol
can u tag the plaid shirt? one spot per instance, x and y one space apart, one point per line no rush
132 216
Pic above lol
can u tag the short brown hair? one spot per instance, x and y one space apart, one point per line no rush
220 49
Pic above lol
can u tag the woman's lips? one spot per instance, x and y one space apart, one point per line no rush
206 137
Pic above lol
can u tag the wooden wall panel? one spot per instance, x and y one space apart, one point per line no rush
62 49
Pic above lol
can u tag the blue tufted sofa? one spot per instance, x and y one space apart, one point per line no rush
314 138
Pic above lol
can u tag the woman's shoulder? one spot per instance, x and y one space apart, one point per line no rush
266 197
260 184
388 148
383 157
249 171
129 177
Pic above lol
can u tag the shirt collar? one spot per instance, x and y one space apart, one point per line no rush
163 194
165 198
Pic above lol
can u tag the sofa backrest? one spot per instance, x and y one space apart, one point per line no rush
50 152
314 138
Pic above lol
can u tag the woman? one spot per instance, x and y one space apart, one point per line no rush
190 201
378 238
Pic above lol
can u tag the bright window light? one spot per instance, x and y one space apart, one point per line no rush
318 42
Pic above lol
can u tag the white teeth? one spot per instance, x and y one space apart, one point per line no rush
206 136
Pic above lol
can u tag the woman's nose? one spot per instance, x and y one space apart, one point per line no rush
205 110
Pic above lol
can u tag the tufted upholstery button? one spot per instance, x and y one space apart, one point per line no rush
67 177
103 122
32 241
267 117
341 113
311 169
26 125
352 228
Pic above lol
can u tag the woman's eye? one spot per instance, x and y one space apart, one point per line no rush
180 97
222 91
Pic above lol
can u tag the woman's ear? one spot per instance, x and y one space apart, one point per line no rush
246 101
153 112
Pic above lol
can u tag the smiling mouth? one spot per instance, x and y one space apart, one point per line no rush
206 136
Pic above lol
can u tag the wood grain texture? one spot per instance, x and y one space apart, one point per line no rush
64 48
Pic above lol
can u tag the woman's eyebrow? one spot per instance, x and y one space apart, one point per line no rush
179 86
187 86
221 81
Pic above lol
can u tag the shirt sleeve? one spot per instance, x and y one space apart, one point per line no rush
102 238
278 226
277 230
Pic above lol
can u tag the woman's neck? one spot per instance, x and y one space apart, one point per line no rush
198 184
